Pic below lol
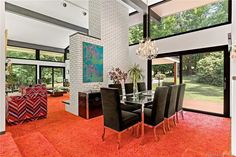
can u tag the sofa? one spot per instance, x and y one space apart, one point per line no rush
29 105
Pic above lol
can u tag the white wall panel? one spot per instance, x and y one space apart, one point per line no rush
2 66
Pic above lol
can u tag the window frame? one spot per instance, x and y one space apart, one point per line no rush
195 30
39 57
36 70
35 51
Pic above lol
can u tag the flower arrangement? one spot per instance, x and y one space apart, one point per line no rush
117 75
233 53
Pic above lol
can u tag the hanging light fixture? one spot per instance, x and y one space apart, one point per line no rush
147 48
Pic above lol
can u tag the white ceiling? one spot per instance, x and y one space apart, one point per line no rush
175 6
54 8
28 30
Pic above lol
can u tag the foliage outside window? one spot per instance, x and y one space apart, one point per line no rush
21 53
197 18
21 75
51 56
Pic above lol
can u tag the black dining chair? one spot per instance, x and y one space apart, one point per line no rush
114 118
118 86
156 116
126 107
180 99
129 88
141 86
171 104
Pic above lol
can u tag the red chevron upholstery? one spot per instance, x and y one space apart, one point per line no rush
30 106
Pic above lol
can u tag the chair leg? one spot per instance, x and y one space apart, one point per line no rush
177 117
118 141
168 124
103 135
174 120
155 134
137 130
163 127
182 113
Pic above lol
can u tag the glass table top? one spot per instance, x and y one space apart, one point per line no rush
138 98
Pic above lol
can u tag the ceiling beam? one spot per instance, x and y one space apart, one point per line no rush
32 14
138 5
34 46
154 15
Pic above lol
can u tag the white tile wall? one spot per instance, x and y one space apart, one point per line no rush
114 38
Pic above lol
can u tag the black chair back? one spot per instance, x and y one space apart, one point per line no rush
171 101
159 104
180 97
118 86
111 108
168 83
129 88
141 86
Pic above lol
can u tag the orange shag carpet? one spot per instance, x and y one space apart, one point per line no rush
66 135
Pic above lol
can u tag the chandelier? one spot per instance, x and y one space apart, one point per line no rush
147 49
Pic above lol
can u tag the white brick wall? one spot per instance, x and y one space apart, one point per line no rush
114 38
95 18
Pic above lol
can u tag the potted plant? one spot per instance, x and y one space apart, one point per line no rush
135 73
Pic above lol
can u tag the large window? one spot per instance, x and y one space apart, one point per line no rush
185 21
52 76
51 56
21 74
21 53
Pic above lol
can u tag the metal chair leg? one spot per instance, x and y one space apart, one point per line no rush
155 134
168 124
103 135
182 113
177 117
163 127
174 120
118 141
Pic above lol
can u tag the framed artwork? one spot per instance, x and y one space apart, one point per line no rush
92 63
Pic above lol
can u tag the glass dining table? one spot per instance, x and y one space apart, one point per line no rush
143 99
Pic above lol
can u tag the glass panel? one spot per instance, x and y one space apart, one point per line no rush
21 75
51 56
205 16
203 75
22 53
135 33
58 77
46 76
165 71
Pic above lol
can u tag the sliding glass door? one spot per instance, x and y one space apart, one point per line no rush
206 73
52 76
203 74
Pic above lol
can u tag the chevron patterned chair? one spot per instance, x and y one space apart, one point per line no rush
31 105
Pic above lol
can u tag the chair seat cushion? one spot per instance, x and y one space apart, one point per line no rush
129 119
147 115
127 107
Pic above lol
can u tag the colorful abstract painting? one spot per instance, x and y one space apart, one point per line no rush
92 63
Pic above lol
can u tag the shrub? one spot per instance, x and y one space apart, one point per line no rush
210 69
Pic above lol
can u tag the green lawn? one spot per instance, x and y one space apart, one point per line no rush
198 91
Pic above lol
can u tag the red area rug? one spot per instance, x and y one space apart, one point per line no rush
8 148
36 145
72 136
